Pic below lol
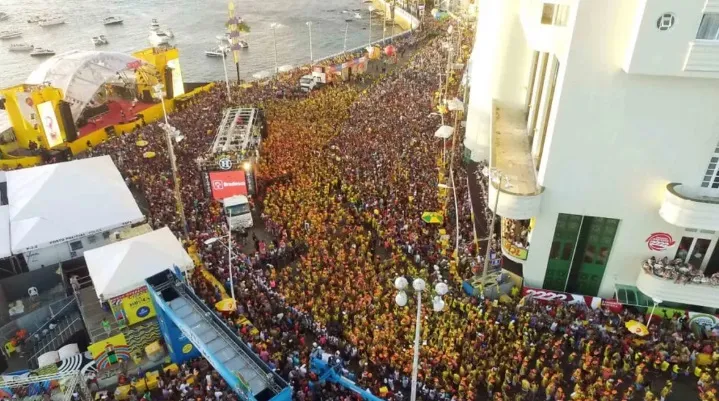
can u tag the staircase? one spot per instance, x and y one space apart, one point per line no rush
93 315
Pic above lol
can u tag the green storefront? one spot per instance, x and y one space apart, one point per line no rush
580 249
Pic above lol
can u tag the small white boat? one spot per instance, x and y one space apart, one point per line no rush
159 38
218 51
52 21
358 16
21 47
99 40
10 34
112 20
243 44
4 16
223 38
40 52
34 20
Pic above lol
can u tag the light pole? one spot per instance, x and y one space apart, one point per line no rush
274 26
495 176
344 46
159 92
309 26
651 314
419 285
211 241
456 212
223 49
371 9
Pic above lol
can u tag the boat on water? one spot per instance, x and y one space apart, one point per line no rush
21 47
10 35
99 40
40 52
358 16
243 44
349 19
224 38
34 20
52 21
4 16
159 36
218 51
113 20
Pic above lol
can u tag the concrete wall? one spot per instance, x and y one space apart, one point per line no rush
615 140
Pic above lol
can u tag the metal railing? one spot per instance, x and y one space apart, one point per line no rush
69 301
70 328
361 48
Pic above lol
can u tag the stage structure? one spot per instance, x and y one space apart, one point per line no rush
233 157
188 324
86 96
62 385
319 365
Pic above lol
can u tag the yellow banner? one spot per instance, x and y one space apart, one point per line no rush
109 351
138 307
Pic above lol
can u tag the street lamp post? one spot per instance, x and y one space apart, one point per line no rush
401 299
211 241
309 26
160 94
651 314
274 26
456 212
498 178
369 41
223 49
344 46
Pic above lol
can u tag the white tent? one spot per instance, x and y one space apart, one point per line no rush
61 202
121 267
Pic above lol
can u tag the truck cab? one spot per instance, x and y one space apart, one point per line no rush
311 81
238 212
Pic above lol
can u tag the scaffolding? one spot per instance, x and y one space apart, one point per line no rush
61 385
239 132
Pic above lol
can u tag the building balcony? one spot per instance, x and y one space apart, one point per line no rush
544 23
519 194
703 56
515 237
685 206
672 290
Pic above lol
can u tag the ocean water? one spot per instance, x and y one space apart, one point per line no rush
195 24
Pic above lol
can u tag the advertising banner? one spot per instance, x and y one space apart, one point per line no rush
558 296
178 346
510 249
49 124
138 306
108 352
228 183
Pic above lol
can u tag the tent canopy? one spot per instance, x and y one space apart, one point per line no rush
121 267
79 74
61 202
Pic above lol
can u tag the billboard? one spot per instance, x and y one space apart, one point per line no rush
228 183
138 306
49 124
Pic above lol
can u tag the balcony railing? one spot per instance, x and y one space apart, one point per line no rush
514 240
703 56
685 206
677 285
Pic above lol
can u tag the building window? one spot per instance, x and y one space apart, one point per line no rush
711 175
665 22
555 14
709 27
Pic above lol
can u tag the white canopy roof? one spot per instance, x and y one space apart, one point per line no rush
80 74
121 267
60 202
5 232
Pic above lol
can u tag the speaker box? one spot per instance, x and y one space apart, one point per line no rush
67 121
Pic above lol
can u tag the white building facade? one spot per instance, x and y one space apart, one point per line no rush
602 117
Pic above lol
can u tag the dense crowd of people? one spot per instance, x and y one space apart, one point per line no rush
345 175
